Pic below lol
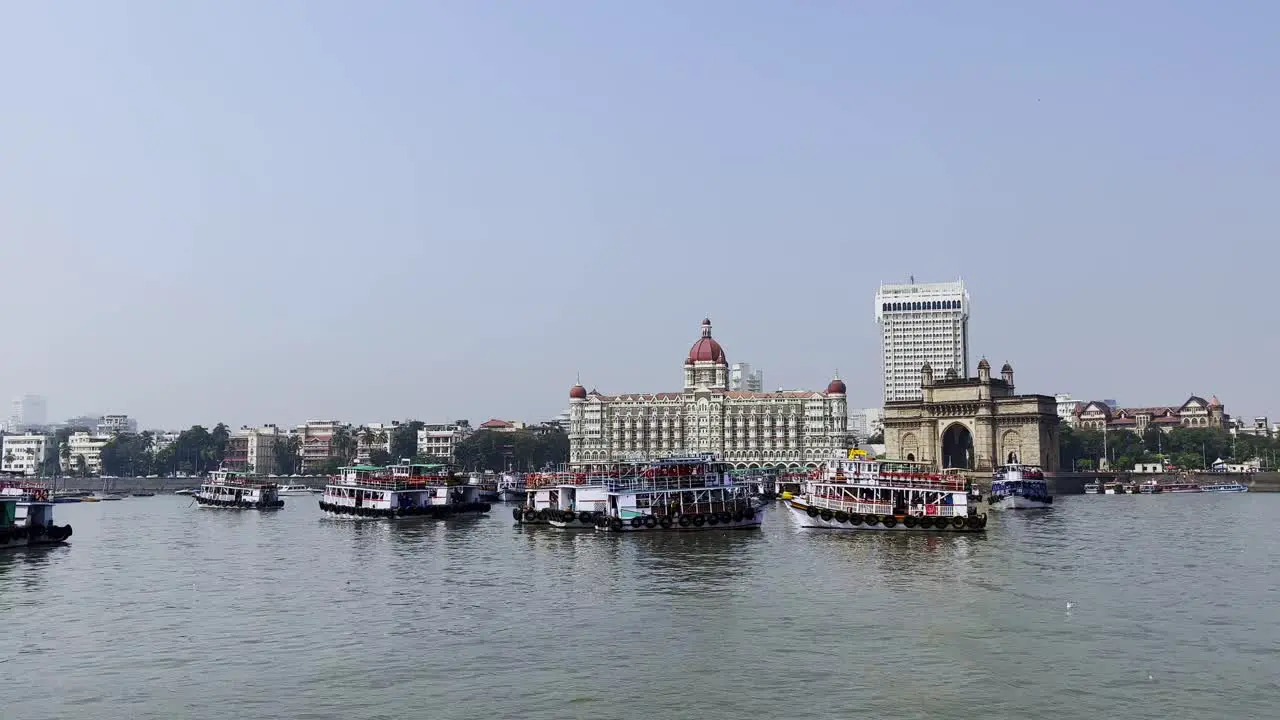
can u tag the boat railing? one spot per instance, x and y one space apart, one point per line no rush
672 483
386 482
910 483
867 508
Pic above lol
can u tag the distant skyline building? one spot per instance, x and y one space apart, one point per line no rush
116 424
866 422
743 378
921 323
28 411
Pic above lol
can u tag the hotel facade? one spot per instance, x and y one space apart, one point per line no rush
785 429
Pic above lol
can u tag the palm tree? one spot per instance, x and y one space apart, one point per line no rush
64 452
9 458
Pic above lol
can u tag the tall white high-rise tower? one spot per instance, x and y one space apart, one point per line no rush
919 323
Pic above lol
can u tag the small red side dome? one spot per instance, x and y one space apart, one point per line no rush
836 387
577 392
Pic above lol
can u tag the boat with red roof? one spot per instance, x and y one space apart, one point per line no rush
406 490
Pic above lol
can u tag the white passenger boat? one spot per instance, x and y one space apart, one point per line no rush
297 490
1093 488
681 493
235 490
572 500
1224 487
407 490
1019 487
26 516
511 487
885 495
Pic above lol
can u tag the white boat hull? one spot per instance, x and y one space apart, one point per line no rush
816 522
1018 502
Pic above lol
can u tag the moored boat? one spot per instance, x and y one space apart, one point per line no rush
286 490
235 490
1224 487
511 487
571 500
1113 488
1151 487
1092 488
26 516
1019 487
887 495
487 483
1181 487
681 493
406 490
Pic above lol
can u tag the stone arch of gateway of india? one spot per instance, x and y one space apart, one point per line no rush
973 423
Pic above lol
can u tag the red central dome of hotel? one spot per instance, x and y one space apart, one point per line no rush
706 349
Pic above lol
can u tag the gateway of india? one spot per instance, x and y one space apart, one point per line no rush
973 423
784 429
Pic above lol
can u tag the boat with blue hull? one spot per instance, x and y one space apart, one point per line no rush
1019 487
1226 487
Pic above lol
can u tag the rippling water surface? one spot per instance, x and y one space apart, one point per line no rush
159 610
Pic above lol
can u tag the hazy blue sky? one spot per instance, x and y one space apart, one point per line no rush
271 211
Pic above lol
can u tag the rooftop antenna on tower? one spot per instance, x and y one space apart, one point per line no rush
913 279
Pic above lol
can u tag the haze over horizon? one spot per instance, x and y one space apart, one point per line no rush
275 212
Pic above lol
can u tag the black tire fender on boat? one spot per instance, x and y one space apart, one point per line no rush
910 521
651 522
684 520
615 523
889 521
515 513
871 519
665 522
813 512
957 522
855 518
713 519
926 522
544 515
841 516
636 522
725 518
584 517
827 515
699 520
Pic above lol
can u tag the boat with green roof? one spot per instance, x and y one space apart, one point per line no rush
405 490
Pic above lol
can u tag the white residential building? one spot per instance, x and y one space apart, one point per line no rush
28 411
1067 408
161 439
866 422
116 424
378 437
252 449
441 440
88 446
25 453
742 377
921 323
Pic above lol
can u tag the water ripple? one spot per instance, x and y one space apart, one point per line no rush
160 611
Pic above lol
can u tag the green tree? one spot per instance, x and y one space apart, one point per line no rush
82 466
522 450
404 439
342 446
285 451
379 457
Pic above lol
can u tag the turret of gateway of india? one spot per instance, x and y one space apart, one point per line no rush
791 429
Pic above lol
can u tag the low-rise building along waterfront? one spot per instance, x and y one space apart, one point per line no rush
86 447
253 449
789 429
315 444
26 453
1195 412
440 440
